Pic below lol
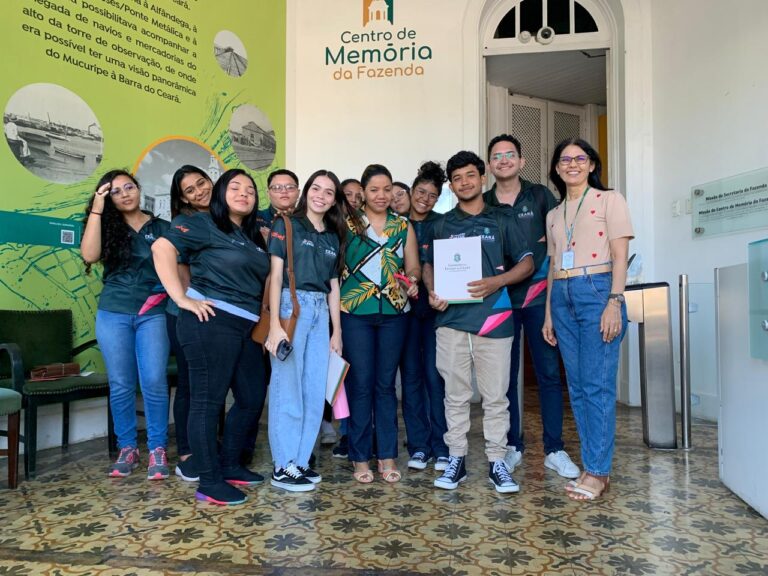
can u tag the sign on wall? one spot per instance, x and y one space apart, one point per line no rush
732 204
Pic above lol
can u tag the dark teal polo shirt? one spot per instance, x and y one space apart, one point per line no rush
503 246
265 218
315 254
130 288
530 213
423 230
228 267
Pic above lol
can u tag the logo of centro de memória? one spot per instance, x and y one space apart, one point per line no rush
378 11
457 257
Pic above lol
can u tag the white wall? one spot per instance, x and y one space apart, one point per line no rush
709 119
344 125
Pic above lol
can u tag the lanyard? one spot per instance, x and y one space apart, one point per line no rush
569 231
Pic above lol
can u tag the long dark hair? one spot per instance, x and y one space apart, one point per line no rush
177 194
115 232
219 208
334 217
595 177
370 171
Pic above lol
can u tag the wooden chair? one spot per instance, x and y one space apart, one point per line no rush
10 405
38 337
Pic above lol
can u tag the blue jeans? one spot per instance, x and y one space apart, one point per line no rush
372 346
136 348
423 389
546 364
297 386
221 355
590 364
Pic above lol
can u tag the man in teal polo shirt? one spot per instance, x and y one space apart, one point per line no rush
478 334
527 204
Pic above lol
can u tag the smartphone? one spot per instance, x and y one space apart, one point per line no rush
284 350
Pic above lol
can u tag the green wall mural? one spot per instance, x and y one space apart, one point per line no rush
90 85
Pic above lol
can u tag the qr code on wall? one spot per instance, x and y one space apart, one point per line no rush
68 237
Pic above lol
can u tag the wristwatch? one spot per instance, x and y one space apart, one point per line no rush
615 296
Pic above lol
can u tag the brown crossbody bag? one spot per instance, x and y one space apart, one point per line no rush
261 330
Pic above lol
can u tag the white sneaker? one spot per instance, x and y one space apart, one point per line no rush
327 434
561 463
512 458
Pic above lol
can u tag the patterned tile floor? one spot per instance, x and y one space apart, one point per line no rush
667 513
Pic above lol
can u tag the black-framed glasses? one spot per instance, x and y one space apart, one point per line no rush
581 159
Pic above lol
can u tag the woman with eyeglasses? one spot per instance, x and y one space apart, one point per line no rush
401 201
130 317
423 389
228 266
588 236
381 246
190 193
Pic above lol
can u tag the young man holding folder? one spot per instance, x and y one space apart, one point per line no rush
479 332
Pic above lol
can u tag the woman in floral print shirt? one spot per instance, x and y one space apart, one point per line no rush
381 272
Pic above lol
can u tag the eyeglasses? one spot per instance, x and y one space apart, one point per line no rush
281 187
418 191
127 188
499 156
581 159
201 184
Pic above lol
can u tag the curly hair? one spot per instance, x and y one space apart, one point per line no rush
115 232
430 173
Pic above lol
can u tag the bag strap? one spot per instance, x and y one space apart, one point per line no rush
289 264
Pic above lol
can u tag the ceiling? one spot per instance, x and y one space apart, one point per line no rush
575 77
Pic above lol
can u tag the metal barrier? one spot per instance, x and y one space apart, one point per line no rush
649 306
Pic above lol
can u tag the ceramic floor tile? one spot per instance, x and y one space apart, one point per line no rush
666 513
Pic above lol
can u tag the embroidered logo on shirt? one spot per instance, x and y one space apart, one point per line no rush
183 229
149 237
309 243
280 237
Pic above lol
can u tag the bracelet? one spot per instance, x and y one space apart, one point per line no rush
97 213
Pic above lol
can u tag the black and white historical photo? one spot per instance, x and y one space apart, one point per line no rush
230 53
53 133
253 137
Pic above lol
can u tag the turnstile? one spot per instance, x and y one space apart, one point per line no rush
649 306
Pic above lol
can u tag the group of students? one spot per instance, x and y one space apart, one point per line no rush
364 281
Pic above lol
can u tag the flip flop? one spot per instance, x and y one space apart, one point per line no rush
364 476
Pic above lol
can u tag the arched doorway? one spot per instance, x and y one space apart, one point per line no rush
546 66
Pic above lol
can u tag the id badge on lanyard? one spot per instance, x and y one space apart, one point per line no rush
569 257
568 260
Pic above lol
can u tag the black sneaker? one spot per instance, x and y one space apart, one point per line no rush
454 474
222 494
341 450
186 470
502 480
310 474
418 461
291 479
240 476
